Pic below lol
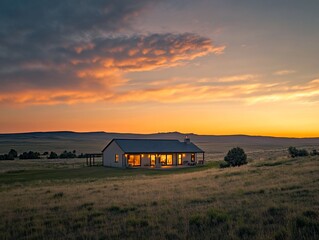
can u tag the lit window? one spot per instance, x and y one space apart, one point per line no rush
193 157
116 158
153 160
163 159
134 160
179 159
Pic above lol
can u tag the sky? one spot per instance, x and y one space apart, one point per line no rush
144 66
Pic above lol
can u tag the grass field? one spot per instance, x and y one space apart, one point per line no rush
275 198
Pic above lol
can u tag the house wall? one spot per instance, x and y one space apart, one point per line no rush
113 148
188 157
109 156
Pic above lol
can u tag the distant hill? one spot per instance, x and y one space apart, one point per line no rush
84 142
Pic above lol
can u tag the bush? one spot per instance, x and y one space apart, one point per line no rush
13 153
314 152
224 165
53 155
10 156
67 154
216 217
30 155
294 152
236 157
6 157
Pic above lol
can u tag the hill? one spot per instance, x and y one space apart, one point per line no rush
84 142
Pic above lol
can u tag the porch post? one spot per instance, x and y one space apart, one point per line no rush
203 158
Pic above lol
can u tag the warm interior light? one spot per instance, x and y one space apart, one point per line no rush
184 155
142 155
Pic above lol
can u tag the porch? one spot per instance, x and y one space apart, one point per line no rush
163 160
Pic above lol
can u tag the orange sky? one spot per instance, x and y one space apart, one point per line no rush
207 68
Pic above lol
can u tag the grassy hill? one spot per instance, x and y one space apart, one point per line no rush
95 141
266 199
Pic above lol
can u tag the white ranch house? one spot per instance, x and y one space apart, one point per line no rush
151 153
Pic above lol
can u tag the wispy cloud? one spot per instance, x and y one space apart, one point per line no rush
283 72
192 90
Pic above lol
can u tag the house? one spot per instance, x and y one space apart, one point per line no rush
154 153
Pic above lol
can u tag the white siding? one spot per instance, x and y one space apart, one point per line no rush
109 156
187 157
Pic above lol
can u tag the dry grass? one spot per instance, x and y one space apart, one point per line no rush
276 199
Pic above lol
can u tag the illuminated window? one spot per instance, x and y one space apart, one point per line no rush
163 159
169 160
179 159
166 159
153 160
193 157
116 158
134 160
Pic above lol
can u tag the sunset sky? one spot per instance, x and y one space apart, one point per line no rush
145 66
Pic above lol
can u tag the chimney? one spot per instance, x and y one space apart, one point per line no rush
187 140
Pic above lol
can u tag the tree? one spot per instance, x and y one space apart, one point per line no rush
53 155
13 153
30 155
236 157
67 154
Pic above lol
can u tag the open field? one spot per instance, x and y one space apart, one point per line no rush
266 199
92 142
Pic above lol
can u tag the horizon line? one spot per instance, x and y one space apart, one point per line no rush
155 133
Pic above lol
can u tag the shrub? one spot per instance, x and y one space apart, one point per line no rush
53 155
30 155
195 221
236 157
10 156
13 153
6 157
245 232
305 228
216 217
294 152
224 164
67 154
314 152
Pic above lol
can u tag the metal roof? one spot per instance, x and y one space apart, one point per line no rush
155 146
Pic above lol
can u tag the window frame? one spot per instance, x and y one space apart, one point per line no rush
193 158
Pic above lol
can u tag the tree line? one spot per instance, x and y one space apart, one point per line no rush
13 154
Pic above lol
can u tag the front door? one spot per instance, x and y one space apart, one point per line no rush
153 160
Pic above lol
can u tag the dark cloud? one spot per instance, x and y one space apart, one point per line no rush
75 45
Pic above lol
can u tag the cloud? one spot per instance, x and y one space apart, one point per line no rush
55 52
283 72
102 62
190 90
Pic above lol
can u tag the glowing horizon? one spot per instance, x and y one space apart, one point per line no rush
203 67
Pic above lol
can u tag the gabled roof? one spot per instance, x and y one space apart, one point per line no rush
155 146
